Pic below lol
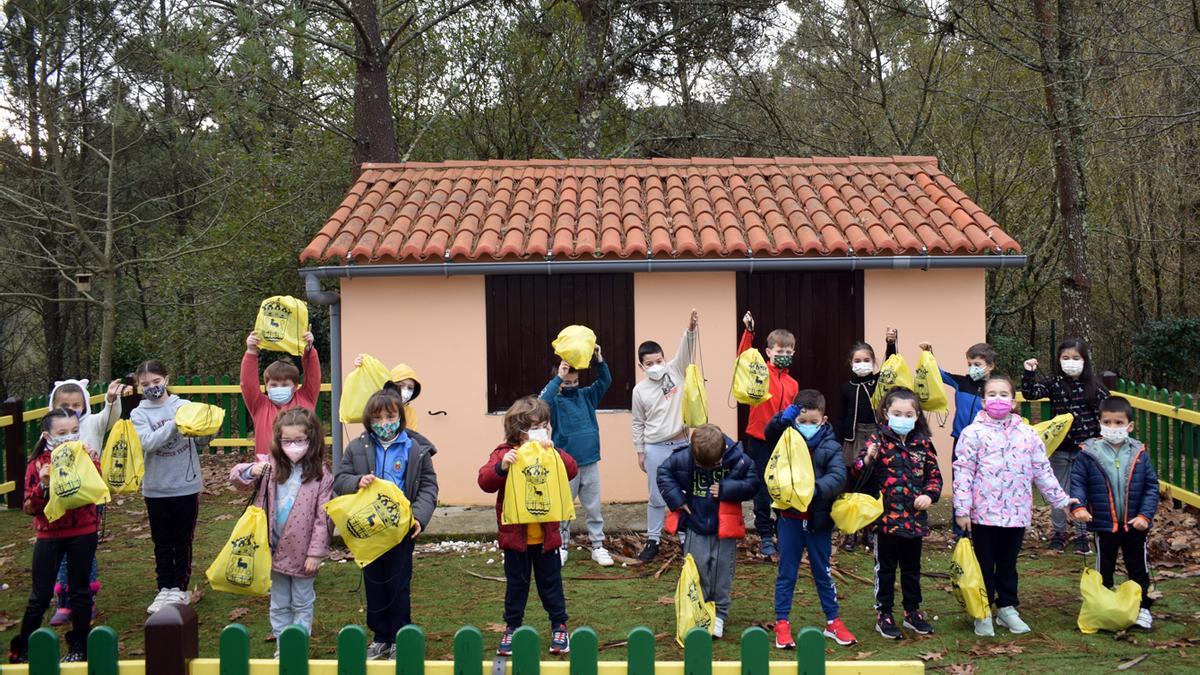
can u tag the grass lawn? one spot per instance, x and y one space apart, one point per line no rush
616 600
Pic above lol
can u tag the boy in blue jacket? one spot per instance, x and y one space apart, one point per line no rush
706 484
1114 472
573 419
810 530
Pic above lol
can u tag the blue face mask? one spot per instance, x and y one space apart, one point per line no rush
808 430
279 395
902 425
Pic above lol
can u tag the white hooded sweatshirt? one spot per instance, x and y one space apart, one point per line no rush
92 428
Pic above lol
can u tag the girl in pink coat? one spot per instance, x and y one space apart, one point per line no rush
998 460
296 485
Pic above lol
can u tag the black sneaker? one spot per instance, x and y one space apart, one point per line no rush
17 657
1081 545
886 626
916 622
1058 542
849 542
74 657
650 552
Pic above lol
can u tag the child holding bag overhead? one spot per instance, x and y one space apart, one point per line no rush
1117 489
1076 389
858 415
171 484
296 485
388 450
903 467
71 538
528 549
282 381
999 459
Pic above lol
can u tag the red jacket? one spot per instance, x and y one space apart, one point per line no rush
492 479
262 410
83 520
783 389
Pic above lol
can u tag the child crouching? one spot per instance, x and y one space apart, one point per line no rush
707 483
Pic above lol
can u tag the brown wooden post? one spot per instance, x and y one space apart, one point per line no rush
14 451
172 640
1109 378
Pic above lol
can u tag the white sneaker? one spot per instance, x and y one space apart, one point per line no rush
718 627
159 600
1010 619
984 628
180 597
1145 620
562 555
601 556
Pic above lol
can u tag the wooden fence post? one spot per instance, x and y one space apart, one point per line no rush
235 650
410 651
14 451
756 651
172 640
640 658
1109 378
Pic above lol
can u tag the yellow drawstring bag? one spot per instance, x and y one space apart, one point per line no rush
244 564
74 481
372 520
362 383
281 324
199 419
751 380
575 345
967 579
1104 608
1054 431
691 611
121 464
853 511
537 489
927 382
893 373
695 399
789 474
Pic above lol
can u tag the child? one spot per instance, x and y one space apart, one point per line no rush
1074 388
999 459
1117 489
282 380
71 538
658 422
405 382
903 466
388 450
296 486
72 395
968 394
573 418
858 416
810 530
171 484
708 484
531 548
781 347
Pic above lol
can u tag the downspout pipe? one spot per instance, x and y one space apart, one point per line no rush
318 296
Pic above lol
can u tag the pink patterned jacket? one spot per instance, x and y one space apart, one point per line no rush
996 465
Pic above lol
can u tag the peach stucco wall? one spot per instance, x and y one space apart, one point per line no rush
945 308
445 342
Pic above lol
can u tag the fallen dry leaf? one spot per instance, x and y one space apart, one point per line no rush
223 516
238 612
665 600
931 656
1129 664
961 669
861 655
495 627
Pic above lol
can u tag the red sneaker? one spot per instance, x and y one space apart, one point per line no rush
783 635
837 630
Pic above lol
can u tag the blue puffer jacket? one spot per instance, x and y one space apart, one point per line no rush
1090 484
829 469
682 482
573 415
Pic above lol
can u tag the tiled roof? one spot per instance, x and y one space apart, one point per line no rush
700 207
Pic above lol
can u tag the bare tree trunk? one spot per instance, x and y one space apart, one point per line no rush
592 84
374 126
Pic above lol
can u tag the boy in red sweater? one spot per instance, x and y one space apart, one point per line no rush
781 346
282 381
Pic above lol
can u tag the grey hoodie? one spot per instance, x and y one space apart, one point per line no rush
172 461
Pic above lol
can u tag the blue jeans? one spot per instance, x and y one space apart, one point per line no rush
794 538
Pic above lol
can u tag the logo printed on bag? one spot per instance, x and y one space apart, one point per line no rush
771 477
240 569
67 481
922 384
278 315
760 373
537 501
693 594
381 514
120 452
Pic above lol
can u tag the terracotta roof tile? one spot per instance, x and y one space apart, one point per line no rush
782 206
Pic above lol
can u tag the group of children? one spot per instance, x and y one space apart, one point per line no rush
1101 479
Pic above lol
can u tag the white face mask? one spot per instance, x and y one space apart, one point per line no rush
862 368
976 373
406 394
1116 435
539 435
656 371
55 441
1071 367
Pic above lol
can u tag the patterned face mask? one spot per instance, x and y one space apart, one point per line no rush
782 360
385 431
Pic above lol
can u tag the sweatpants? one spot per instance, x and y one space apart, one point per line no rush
292 600
1062 461
760 454
716 560
1132 545
997 549
586 486
892 551
656 508
794 539
546 569
78 551
172 527
388 583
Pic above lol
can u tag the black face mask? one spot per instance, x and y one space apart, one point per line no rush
569 390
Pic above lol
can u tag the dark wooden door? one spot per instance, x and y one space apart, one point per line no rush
825 312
